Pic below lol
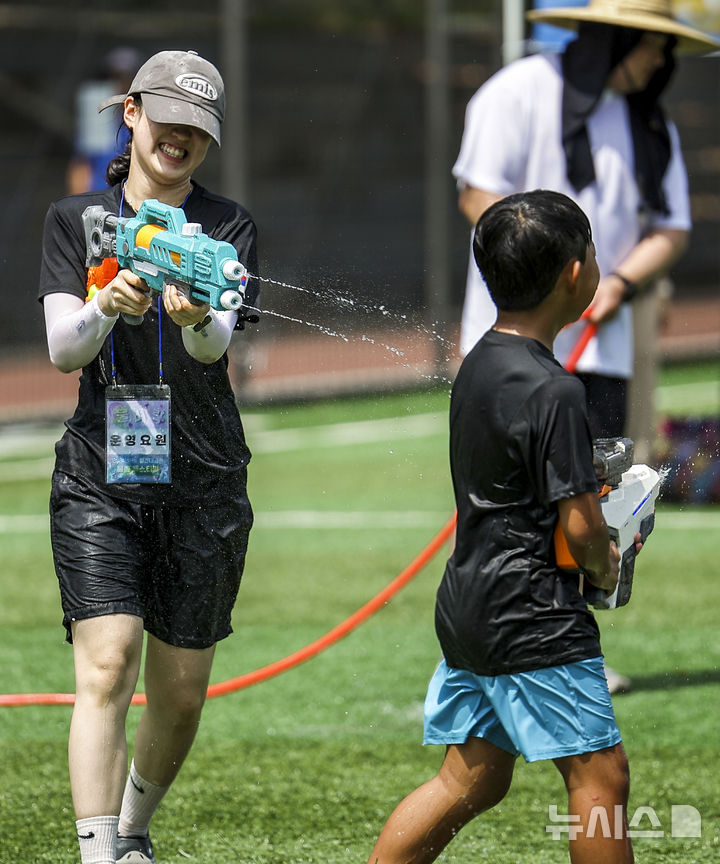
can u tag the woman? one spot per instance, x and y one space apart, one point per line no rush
161 551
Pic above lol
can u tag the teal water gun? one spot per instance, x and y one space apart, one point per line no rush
163 248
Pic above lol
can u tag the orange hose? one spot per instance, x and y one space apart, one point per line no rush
285 663
582 343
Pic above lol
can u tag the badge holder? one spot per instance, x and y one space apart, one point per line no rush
137 424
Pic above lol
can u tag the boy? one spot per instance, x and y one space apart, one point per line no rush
522 669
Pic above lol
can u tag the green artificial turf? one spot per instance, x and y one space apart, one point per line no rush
306 766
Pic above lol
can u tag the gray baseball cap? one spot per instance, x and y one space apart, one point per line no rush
179 87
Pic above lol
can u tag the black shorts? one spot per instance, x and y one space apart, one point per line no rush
177 568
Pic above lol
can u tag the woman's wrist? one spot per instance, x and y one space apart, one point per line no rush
631 288
101 307
100 299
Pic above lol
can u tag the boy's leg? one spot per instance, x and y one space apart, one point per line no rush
474 777
598 785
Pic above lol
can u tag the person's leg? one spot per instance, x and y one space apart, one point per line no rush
598 785
176 682
107 652
474 777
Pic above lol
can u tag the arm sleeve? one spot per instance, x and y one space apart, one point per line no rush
75 330
210 343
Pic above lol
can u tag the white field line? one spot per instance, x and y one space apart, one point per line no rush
346 434
24 439
260 441
695 520
678 397
346 519
27 469
29 524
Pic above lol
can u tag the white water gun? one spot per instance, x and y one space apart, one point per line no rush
627 496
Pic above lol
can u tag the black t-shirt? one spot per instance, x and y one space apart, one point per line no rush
208 452
519 443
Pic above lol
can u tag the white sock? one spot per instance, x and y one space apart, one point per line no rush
96 837
140 801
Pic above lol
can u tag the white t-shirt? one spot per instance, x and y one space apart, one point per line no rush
513 142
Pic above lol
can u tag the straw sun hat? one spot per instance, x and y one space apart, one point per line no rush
652 15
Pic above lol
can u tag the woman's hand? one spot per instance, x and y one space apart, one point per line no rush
608 299
128 293
181 310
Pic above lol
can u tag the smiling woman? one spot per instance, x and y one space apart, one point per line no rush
175 465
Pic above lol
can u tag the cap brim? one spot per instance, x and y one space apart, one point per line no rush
164 109
113 100
569 17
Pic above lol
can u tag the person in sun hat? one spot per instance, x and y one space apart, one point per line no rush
589 123
133 552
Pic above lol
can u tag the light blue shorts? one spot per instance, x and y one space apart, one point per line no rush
543 714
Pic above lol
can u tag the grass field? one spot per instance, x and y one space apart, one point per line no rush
305 767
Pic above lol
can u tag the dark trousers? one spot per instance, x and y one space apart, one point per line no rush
607 404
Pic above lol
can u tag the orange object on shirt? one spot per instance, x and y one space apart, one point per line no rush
100 276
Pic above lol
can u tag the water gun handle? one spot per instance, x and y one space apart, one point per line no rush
132 320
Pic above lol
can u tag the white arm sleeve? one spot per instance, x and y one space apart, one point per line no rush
210 343
75 330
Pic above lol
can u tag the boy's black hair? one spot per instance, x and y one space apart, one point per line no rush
522 242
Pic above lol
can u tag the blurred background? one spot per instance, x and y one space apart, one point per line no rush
343 122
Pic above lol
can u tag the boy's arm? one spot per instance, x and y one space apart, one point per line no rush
588 539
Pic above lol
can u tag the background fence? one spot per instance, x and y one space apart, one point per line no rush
336 146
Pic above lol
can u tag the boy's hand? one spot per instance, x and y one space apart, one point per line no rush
638 543
614 558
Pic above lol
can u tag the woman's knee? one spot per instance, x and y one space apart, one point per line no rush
179 706
106 669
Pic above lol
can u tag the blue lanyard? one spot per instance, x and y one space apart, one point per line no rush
113 369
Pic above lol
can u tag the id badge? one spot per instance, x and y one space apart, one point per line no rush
137 437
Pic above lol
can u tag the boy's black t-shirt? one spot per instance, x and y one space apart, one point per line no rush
208 452
519 443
